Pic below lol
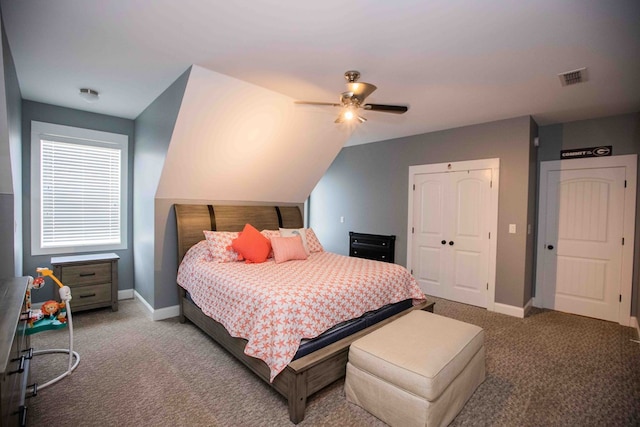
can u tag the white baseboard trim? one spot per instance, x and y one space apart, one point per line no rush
511 310
125 294
160 313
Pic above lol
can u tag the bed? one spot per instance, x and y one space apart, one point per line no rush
301 377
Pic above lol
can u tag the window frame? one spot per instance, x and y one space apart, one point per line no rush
74 135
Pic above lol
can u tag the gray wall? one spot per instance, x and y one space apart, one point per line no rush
154 128
623 133
10 195
368 185
82 119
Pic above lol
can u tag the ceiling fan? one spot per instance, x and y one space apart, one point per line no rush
353 100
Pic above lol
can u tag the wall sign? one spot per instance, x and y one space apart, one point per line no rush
579 153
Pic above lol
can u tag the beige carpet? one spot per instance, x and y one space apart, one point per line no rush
549 369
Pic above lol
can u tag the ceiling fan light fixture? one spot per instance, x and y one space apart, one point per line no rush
348 115
89 95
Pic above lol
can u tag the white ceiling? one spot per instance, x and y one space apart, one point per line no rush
454 63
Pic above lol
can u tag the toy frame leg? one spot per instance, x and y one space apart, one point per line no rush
72 365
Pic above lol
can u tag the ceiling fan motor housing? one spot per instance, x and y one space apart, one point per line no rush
352 76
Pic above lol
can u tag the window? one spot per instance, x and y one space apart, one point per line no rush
78 189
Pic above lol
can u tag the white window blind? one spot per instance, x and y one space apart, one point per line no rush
80 194
78 189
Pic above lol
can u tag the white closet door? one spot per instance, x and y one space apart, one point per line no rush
431 265
450 234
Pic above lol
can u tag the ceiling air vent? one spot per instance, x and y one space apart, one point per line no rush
573 77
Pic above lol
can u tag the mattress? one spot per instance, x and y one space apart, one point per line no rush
345 328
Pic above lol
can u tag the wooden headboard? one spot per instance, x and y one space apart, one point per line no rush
191 220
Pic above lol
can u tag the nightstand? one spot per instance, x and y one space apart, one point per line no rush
93 279
372 246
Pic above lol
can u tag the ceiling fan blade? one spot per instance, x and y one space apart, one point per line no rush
361 90
396 109
331 104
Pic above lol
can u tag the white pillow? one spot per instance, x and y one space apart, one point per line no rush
291 232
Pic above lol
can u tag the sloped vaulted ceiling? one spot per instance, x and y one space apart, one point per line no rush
234 141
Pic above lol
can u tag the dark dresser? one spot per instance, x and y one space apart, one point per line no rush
15 352
372 246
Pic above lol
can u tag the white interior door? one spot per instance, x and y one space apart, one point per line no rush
583 257
585 238
431 266
450 244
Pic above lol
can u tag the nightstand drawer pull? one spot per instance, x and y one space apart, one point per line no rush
88 295
87 274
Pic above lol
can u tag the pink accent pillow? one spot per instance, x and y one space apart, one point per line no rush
312 241
290 232
251 245
288 248
269 234
220 245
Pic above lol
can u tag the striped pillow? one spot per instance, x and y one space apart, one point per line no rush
288 248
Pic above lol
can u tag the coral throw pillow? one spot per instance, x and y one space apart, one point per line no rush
288 248
251 246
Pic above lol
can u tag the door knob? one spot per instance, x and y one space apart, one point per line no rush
451 243
444 242
550 247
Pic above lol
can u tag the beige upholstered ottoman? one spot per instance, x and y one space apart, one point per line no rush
418 370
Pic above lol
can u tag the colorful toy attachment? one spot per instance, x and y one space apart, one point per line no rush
52 314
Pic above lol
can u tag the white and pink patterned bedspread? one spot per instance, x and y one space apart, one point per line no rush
274 306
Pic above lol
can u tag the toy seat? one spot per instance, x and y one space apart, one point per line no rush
51 316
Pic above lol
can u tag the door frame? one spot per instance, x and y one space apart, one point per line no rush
628 161
492 221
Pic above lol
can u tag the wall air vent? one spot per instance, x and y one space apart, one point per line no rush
573 77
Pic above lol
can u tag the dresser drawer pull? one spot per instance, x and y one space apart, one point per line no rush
87 274
23 394
88 295
29 353
20 369
22 416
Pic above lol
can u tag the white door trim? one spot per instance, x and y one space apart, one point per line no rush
629 162
494 165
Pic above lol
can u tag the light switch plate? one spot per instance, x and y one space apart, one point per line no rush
512 229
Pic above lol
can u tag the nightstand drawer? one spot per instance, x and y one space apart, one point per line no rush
92 294
93 279
89 274
368 253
